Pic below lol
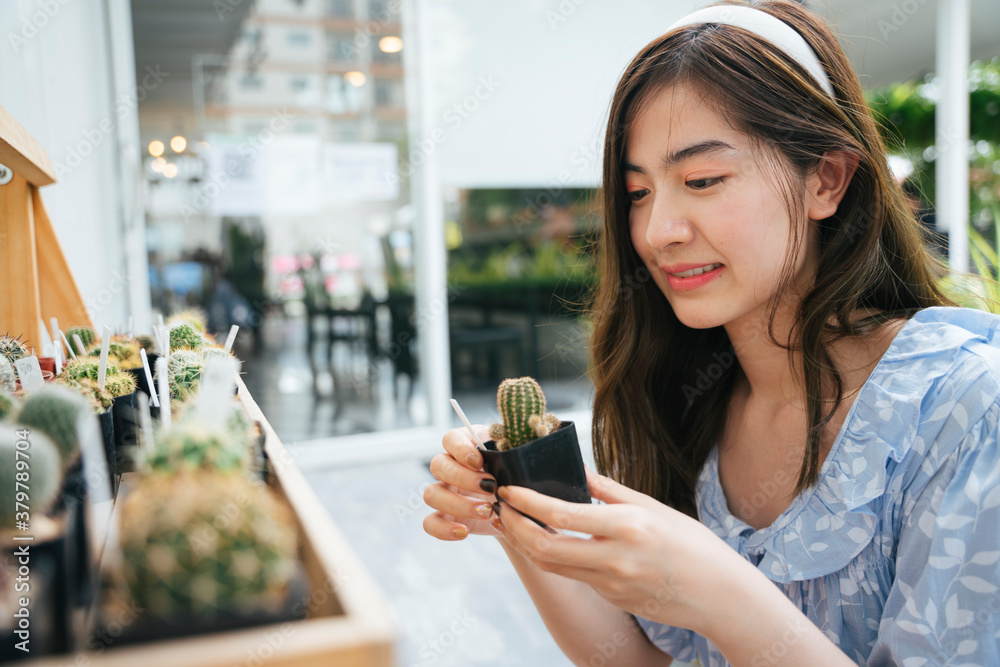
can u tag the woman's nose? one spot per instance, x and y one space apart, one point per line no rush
667 225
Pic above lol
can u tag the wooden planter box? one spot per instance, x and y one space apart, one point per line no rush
349 625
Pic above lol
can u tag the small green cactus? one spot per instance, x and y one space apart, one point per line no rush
56 410
185 337
122 351
13 349
192 316
88 367
119 384
522 407
146 342
8 378
38 468
100 400
87 336
197 544
8 406
191 444
184 370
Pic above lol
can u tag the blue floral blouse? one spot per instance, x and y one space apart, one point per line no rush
895 552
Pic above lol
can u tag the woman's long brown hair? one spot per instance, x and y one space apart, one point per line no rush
662 389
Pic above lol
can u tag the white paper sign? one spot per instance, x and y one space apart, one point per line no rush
30 373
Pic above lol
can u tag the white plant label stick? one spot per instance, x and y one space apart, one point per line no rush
145 421
164 387
29 372
149 378
68 346
231 338
54 322
215 392
129 331
465 420
102 370
79 344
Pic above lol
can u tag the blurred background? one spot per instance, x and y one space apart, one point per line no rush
396 202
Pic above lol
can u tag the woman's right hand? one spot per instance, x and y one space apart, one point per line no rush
463 506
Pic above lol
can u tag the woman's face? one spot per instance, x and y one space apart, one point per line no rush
699 199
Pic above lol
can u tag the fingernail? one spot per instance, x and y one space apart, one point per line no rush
488 485
497 523
460 533
472 458
502 492
496 508
484 510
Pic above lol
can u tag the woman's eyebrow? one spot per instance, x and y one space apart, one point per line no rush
675 158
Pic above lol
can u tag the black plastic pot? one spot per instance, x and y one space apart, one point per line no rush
551 465
107 422
126 421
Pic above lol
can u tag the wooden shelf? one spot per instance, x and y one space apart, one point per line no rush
350 624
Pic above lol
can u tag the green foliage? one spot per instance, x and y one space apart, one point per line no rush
185 337
87 336
40 471
88 367
119 384
122 351
184 371
8 378
522 408
192 445
56 410
13 349
196 544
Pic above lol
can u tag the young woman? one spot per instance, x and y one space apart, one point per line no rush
797 431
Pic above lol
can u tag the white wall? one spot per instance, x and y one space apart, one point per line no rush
68 78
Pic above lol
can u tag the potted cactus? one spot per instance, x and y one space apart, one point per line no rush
193 573
532 448
8 378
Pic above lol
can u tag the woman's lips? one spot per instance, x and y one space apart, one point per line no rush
694 282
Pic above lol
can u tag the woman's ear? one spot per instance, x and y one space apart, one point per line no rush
828 184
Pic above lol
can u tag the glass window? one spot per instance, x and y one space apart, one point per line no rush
342 97
342 9
389 93
342 47
299 38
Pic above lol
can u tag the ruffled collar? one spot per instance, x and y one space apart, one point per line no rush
829 524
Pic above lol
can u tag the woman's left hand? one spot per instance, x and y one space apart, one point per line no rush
642 556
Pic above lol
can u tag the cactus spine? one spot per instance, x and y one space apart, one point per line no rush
194 544
185 337
522 407
192 445
8 379
192 316
13 349
184 369
42 475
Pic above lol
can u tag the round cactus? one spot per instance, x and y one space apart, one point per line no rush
185 337
100 400
8 406
41 472
122 351
192 316
184 370
196 544
191 444
89 368
119 384
522 407
146 342
56 411
13 349
87 336
8 378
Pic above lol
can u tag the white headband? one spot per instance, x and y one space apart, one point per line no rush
772 29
